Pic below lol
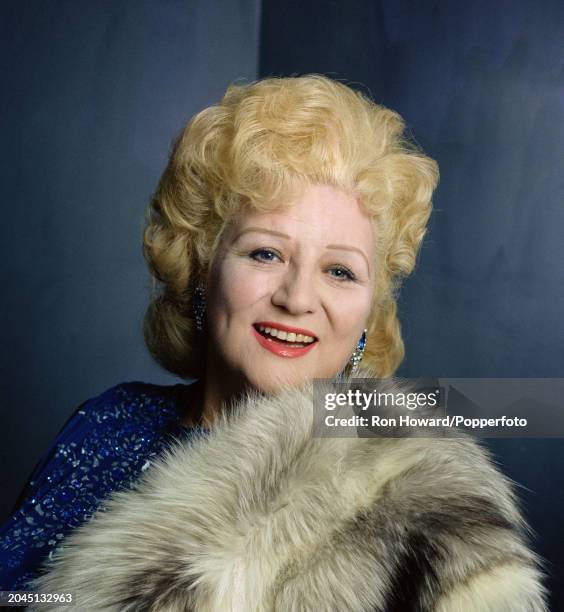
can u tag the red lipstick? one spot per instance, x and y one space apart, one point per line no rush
281 348
287 328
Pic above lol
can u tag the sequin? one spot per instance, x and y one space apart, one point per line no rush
104 447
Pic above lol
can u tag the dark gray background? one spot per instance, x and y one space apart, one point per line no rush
95 91
481 86
93 94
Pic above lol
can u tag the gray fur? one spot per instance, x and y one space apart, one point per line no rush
264 515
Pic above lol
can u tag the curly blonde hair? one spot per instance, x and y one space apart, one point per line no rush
253 149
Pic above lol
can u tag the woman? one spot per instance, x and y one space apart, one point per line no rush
280 230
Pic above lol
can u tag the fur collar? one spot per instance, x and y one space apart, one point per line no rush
263 515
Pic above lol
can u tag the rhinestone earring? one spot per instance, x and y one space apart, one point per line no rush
199 306
358 352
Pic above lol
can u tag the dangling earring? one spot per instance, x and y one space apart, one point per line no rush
358 352
199 306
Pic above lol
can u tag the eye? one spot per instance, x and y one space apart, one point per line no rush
342 274
264 255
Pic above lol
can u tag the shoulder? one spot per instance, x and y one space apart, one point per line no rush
103 446
457 536
135 402
114 431
125 408
441 520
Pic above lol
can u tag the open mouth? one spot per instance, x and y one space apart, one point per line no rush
282 337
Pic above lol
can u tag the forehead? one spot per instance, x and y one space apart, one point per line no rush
320 213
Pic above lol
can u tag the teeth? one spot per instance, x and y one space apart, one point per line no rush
288 336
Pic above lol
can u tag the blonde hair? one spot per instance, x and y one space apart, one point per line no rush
256 147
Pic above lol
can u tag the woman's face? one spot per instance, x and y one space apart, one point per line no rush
305 270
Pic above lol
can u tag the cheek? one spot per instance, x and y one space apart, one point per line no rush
349 313
237 289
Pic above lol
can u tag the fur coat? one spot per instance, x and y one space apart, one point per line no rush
263 514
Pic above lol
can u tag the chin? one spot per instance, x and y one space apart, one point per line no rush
270 382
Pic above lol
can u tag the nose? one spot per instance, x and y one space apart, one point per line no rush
295 292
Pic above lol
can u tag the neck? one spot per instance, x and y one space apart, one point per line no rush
213 401
218 390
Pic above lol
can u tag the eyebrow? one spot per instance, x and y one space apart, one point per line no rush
343 247
262 230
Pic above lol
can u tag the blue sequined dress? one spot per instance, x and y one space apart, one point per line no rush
104 446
